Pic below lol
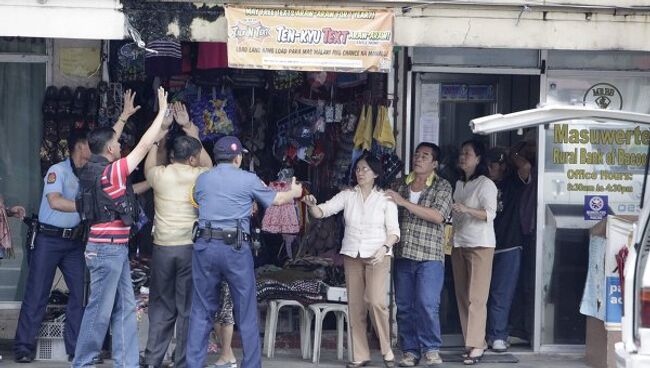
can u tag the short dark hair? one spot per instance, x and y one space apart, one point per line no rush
374 164
76 136
220 158
98 138
479 150
435 150
185 147
224 160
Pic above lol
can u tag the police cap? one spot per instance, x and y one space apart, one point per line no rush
228 147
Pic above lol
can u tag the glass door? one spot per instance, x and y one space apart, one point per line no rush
444 106
23 74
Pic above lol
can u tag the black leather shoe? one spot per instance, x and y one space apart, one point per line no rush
23 359
98 360
70 357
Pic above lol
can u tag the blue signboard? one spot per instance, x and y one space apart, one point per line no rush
613 300
595 207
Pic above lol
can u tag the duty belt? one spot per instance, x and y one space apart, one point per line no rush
58 232
219 234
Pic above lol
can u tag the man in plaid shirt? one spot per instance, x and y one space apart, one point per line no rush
424 201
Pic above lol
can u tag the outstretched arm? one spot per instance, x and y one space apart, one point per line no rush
142 148
128 110
157 153
288 196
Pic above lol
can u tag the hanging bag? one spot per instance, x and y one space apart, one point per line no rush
383 133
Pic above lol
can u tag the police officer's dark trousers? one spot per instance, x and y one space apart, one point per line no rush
213 261
51 252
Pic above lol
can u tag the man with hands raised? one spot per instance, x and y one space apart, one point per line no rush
107 203
170 291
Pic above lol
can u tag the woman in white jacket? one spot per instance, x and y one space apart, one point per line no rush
474 209
371 230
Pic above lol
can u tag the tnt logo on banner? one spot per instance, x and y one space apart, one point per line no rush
614 300
595 207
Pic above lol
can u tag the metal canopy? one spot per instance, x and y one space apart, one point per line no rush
551 114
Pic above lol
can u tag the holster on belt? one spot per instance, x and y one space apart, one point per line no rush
231 237
32 231
239 234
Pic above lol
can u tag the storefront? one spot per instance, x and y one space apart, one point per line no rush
291 119
447 87
447 70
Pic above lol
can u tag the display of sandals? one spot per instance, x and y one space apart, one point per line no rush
64 110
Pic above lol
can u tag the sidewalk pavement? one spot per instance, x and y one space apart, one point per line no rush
291 359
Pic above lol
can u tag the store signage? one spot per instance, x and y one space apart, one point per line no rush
613 300
603 96
310 39
592 153
595 207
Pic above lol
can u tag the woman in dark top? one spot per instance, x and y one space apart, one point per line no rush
509 240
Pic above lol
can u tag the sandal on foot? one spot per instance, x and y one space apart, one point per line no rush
470 360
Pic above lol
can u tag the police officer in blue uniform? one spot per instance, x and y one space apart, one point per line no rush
58 244
222 249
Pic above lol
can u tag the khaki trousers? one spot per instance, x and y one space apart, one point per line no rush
472 269
366 285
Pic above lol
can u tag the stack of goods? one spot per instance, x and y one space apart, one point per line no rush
304 291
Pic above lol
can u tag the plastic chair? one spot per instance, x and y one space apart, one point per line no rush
318 312
271 328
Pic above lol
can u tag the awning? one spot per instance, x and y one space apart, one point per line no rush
511 23
551 114
97 20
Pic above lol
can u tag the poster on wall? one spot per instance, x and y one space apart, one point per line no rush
310 39
429 113
79 61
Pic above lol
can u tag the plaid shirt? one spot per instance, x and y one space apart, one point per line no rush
422 240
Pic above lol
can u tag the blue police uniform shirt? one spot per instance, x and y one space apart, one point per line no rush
59 179
226 193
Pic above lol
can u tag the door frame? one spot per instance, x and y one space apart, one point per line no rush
414 82
542 117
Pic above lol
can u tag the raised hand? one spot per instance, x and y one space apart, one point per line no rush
162 101
168 119
129 108
181 115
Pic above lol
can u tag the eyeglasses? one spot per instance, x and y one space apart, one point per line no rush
362 168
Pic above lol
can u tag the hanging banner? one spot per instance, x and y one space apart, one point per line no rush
310 39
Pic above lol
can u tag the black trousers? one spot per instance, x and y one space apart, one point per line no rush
170 302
